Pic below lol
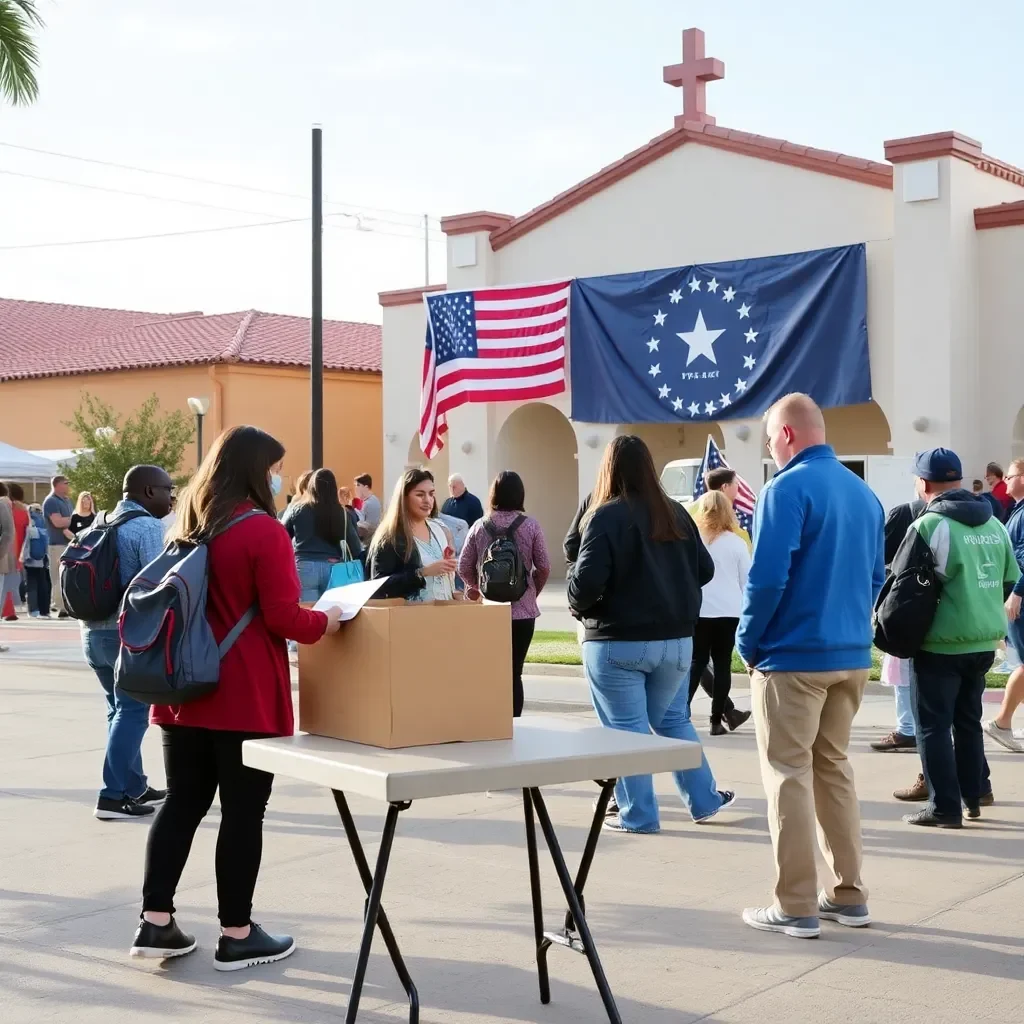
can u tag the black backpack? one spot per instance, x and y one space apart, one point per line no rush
90 570
906 608
503 573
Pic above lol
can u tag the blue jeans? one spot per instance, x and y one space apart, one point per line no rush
127 720
904 712
640 686
313 577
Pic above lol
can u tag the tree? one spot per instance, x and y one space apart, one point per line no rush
145 437
19 57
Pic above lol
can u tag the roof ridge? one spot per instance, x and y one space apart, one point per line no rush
79 305
234 350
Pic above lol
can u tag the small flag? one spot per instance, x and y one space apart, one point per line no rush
744 503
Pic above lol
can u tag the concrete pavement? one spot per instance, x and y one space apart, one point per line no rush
947 945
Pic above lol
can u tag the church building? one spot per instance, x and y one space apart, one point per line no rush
943 228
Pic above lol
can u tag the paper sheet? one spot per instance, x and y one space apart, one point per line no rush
349 599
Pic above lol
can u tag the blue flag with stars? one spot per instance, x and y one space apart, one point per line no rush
720 340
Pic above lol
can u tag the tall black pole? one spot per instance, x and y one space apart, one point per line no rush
316 323
199 439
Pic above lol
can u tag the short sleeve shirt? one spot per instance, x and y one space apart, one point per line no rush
54 505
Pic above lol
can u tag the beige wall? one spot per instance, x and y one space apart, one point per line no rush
858 430
402 363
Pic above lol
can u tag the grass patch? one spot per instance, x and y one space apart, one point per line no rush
557 647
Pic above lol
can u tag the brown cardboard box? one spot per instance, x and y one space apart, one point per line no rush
405 675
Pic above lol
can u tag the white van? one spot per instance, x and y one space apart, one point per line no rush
678 478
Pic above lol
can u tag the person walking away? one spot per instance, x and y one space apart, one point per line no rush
997 486
37 570
411 549
369 507
126 791
19 512
1000 728
462 504
322 535
9 575
805 634
715 633
251 565
636 586
57 510
84 514
506 517
970 553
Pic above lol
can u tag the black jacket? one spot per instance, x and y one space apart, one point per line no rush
389 559
626 586
571 544
897 522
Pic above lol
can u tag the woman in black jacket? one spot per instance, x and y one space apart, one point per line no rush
636 585
410 547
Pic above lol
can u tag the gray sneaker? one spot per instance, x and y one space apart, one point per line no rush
772 919
852 915
1004 737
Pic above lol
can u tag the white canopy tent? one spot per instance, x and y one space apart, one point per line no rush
19 465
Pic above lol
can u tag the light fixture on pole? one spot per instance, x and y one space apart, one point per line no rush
200 406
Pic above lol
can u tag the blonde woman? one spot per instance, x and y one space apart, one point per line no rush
722 599
84 514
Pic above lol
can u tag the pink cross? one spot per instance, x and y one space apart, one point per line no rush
693 75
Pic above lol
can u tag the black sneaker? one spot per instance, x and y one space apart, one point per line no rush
115 810
160 942
152 796
257 948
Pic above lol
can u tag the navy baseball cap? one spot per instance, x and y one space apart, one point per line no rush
938 465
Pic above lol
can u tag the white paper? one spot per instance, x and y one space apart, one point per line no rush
349 599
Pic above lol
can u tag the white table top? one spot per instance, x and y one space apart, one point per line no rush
545 750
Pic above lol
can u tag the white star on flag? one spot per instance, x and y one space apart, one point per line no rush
744 311
652 345
655 369
694 284
659 319
700 340
726 399
713 285
694 409
748 362
676 296
677 404
751 336
709 408
741 385
663 391
729 294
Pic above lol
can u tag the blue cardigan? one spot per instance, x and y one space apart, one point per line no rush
818 565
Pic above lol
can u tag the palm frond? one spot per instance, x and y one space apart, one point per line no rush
19 56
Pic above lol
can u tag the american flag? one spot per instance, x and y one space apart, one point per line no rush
502 344
744 503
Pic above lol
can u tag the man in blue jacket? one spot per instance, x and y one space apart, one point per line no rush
805 634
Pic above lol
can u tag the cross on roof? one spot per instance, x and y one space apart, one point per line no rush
693 75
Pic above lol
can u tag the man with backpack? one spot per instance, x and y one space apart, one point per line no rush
95 571
961 545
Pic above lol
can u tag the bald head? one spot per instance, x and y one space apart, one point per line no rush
150 487
792 424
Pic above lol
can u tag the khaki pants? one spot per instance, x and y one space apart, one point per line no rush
803 722
56 550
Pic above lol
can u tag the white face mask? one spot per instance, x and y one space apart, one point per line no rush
275 484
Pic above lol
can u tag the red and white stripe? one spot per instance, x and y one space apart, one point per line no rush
520 357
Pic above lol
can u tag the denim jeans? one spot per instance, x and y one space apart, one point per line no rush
947 690
640 686
313 577
904 712
127 720
9 583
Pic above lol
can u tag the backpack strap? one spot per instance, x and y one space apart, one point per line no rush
491 529
514 525
239 519
237 630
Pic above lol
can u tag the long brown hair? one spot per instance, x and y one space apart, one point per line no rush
713 513
302 486
627 473
394 526
236 469
329 518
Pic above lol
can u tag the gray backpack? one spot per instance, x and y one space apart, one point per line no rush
168 654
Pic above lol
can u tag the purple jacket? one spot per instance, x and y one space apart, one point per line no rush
530 541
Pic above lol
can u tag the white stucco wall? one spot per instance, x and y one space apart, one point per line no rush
402 364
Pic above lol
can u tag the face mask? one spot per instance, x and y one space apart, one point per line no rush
275 484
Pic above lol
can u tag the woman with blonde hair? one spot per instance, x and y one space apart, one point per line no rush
715 632
84 514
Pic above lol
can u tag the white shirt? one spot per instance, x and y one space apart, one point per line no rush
723 596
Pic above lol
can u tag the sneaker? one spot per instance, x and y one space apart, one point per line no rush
987 799
115 810
1004 737
918 791
728 799
851 915
612 810
772 919
152 796
35 615
973 812
256 948
930 819
614 824
735 718
895 741
160 942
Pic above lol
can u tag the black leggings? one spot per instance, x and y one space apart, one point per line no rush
522 637
713 641
197 762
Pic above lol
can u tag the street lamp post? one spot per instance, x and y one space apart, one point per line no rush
200 406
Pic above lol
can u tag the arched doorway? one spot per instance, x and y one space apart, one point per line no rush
858 429
438 465
668 441
538 442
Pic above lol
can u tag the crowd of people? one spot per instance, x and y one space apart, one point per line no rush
663 593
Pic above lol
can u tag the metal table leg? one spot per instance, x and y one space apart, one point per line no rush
373 914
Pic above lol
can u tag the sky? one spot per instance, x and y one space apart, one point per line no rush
427 109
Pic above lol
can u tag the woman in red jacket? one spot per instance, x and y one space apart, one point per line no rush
250 564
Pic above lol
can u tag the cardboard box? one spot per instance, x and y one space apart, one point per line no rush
408 674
